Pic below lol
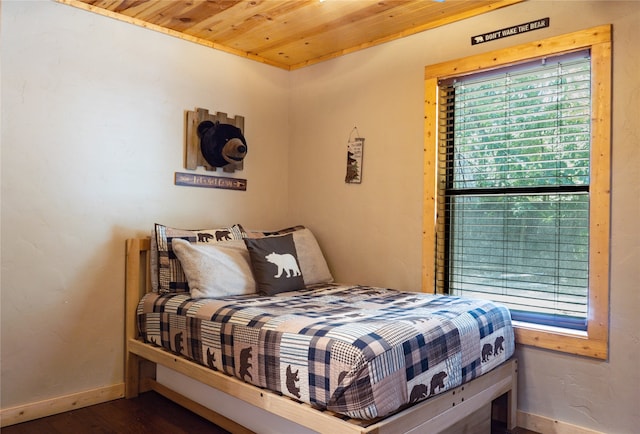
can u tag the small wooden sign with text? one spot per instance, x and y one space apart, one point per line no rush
510 31
208 181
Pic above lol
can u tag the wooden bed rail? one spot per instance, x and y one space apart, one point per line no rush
137 276
137 283
439 414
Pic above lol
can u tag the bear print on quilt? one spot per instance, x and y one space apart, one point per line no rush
360 351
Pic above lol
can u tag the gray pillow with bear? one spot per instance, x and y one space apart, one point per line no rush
275 265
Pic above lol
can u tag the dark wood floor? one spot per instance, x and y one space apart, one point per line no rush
148 413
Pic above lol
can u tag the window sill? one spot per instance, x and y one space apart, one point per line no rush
559 339
550 329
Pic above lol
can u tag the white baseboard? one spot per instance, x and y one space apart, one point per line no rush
545 425
36 410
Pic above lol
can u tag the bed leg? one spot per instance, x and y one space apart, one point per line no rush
138 372
132 376
512 399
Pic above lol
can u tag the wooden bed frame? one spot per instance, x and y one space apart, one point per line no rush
433 415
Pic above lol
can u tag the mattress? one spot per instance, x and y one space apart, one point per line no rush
361 351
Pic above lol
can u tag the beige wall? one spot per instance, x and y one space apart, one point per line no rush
372 232
92 133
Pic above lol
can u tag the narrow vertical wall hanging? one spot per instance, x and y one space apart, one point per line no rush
355 147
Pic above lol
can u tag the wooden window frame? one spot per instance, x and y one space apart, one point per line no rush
595 341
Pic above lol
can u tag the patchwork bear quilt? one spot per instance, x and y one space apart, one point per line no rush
360 351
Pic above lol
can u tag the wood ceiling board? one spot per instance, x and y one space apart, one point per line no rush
340 39
139 9
181 17
280 19
289 33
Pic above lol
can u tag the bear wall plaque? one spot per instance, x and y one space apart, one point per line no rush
220 136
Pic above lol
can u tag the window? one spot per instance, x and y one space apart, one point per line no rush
517 186
514 188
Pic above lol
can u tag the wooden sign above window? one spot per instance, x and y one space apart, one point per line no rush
510 31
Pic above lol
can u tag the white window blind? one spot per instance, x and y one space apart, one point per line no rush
514 161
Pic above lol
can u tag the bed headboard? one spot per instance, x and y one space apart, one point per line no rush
137 280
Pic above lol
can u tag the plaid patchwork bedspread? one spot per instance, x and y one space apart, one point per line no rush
360 351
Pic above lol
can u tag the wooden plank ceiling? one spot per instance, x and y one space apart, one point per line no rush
290 34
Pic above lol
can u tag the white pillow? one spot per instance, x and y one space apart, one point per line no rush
215 270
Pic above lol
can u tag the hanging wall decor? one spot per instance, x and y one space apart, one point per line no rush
221 144
214 140
355 147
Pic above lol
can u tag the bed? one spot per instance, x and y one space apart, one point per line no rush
330 357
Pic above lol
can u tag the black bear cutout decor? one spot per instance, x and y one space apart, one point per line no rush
221 144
